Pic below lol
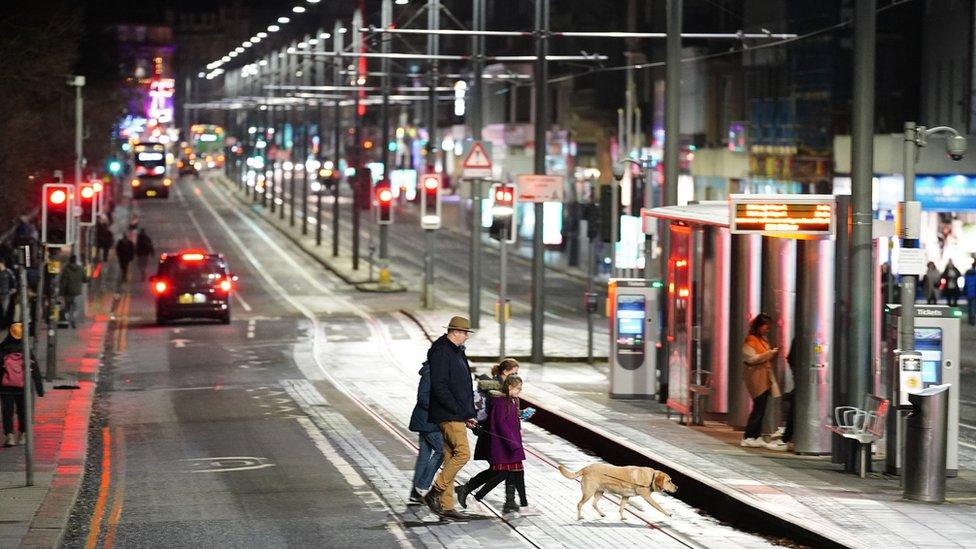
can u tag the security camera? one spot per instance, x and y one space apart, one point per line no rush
618 169
956 147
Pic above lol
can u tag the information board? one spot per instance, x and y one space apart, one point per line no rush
788 215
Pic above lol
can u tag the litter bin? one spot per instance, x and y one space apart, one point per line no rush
925 445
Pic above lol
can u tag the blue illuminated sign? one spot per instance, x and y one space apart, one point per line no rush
946 193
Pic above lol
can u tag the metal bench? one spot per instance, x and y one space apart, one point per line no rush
863 425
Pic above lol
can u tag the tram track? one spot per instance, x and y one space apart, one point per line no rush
377 334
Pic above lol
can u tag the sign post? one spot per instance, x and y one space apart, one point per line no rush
475 167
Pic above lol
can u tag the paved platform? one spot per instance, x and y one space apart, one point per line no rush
35 516
809 491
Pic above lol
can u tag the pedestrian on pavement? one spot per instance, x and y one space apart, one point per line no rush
757 356
431 441
487 479
789 399
144 250
73 278
12 384
930 284
507 453
103 237
950 284
970 287
8 288
124 251
452 409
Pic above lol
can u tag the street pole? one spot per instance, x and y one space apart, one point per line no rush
502 295
590 268
672 142
538 251
336 136
54 313
859 355
433 49
909 240
428 268
25 341
386 19
477 67
78 83
357 156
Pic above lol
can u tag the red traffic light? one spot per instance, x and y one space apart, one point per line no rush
385 195
57 197
432 181
87 191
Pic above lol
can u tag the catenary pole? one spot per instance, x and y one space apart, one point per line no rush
337 137
477 67
538 251
860 326
386 19
672 142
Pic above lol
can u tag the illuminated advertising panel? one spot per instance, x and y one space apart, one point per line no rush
789 215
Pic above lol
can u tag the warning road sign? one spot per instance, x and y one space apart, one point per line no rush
477 162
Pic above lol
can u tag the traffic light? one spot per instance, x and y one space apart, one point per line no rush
430 201
384 202
57 219
86 200
504 196
114 167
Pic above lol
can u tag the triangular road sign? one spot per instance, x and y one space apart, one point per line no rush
477 158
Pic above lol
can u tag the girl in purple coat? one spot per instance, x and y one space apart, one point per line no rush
506 452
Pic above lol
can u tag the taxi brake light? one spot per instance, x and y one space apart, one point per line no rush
192 257
225 285
135 182
159 287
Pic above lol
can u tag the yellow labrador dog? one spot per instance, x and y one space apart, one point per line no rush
626 482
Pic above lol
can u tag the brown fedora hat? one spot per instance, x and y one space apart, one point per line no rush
459 323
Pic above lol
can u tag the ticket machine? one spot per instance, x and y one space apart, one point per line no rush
935 361
632 307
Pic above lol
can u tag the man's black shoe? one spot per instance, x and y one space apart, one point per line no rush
461 492
451 514
433 500
415 498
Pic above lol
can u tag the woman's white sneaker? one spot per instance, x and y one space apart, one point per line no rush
776 446
751 443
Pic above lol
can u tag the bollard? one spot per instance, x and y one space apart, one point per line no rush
925 445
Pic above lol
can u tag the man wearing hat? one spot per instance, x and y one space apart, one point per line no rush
452 409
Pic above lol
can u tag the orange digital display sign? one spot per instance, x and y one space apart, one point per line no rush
783 215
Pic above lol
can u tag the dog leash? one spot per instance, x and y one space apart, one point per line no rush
488 432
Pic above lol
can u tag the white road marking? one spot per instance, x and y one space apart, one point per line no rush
967 445
314 433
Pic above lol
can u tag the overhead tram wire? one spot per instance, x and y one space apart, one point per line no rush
777 43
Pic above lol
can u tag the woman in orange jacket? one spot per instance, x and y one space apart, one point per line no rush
757 357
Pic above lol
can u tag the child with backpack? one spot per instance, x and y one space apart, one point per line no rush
12 384
487 479
507 453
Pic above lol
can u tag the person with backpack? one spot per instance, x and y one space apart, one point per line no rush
124 251
487 479
506 450
12 384
431 443
144 250
103 237
73 278
969 282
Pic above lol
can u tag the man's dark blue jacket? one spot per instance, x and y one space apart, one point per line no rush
451 396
